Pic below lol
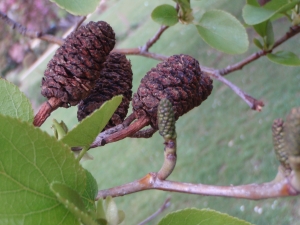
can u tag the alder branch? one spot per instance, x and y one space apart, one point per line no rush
238 66
273 189
29 33
159 211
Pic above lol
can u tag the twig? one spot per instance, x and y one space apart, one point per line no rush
152 41
32 34
80 21
138 51
159 211
45 110
252 102
121 131
238 66
280 188
170 158
147 133
295 165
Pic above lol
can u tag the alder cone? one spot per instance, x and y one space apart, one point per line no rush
178 79
115 79
71 73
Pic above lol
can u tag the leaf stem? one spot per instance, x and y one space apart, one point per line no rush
170 159
82 153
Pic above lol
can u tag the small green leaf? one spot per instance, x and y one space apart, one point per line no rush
121 216
78 7
284 58
194 216
72 201
100 213
261 28
257 43
30 161
223 31
165 15
111 211
86 131
14 103
255 14
60 129
269 35
185 11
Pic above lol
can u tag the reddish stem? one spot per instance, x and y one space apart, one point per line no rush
45 110
122 132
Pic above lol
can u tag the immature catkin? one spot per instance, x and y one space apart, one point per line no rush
166 119
279 144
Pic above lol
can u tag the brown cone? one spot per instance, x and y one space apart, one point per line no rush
115 79
71 73
178 79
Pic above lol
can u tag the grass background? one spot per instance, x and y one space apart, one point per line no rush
222 142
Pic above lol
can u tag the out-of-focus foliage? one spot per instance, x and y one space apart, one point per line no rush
37 15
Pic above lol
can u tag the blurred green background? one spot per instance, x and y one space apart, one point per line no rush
222 142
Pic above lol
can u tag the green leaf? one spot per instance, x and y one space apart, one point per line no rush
85 132
255 14
185 11
194 216
90 191
30 161
284 58
78 7
253 2
261 28
269 35
257 43
71 199
14 103
165 15
223 31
